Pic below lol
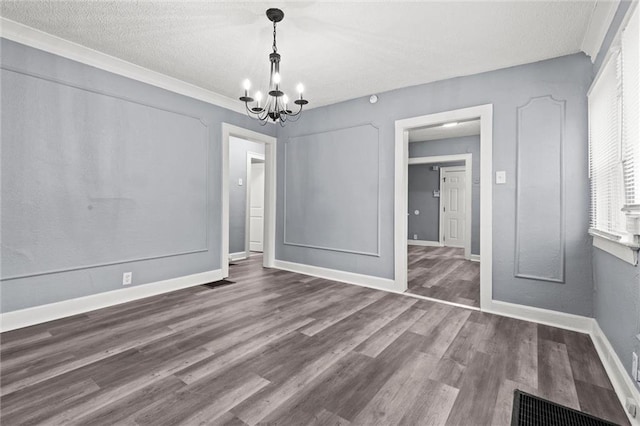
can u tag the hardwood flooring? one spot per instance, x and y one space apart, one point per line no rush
443 273
282 348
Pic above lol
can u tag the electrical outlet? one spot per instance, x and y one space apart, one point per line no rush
634 366
126 278
415 236
632 409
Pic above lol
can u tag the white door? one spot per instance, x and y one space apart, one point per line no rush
454 209
256 207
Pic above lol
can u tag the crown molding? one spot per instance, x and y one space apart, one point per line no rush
41 40
601 18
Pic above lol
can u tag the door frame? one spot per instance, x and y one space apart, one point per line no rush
269 241
401 189
468 217
247 218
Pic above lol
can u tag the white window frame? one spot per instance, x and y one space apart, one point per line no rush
625 246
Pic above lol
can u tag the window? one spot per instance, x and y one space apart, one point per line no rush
614 142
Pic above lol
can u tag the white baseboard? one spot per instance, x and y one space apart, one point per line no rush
622 382
542 316
424 243
241 255
53 311
474 258
377 283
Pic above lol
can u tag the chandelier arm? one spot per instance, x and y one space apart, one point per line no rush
293 114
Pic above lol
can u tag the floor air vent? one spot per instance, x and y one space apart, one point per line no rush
529 410
218 284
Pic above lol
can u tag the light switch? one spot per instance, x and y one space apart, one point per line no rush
239 181
501 177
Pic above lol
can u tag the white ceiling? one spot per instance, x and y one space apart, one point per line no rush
339 51
432 133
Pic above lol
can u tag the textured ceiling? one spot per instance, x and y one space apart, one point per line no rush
432 133
339 51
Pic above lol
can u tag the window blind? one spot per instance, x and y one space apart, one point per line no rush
605 160
631 109
614 137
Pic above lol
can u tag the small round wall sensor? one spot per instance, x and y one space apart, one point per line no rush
373 99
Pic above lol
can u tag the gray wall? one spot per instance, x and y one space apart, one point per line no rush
102 175
617 303
617 283
238 149
321 187
422 182
462 145
566 78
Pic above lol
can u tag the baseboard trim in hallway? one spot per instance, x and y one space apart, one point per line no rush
66 308
241 255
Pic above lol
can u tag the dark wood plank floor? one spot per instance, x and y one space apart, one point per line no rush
443 273
283 348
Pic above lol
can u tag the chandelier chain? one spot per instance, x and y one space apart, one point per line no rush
275 48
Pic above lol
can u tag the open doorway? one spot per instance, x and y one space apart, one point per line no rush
444 221
443 206
254 211
248 202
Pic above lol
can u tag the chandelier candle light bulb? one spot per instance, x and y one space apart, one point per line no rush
258 99
275 106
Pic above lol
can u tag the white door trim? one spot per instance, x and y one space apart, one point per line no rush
485 112
468 216
247 221
269 192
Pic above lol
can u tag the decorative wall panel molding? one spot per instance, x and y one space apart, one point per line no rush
108 180
540 233
332 201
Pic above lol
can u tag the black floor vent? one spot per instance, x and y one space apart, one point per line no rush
218 284
529 410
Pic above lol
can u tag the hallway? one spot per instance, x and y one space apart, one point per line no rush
443 273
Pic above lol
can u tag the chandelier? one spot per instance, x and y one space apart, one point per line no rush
276 105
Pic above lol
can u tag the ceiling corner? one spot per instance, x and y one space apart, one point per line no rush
599 23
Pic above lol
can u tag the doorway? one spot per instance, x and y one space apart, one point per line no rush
234 188
434 256
441 211
254 223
